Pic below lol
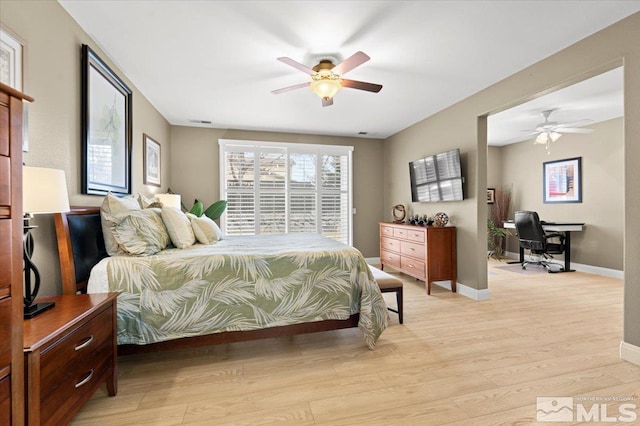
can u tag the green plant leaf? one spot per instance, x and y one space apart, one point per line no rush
215 210
197 208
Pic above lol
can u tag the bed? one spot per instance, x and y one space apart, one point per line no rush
241 288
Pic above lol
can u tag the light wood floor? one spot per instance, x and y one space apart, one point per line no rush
454 361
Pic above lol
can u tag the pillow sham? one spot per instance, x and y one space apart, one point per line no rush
141 232
110 208
205 229
178 227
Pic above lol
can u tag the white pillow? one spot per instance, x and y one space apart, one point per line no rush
113 206
141 232
205 229
178 227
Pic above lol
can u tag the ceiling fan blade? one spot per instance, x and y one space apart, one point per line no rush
578 123
297 65
350 63
574 130
327 102
289 88
361 85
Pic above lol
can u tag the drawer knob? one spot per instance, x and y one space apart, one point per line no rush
85 380
85 343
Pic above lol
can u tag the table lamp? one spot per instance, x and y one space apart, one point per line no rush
43 191
169 200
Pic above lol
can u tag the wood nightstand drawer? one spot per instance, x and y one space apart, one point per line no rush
77 382
67 355
70 350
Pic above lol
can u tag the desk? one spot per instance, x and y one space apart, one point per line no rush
567 228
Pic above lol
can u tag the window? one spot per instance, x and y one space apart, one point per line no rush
279 188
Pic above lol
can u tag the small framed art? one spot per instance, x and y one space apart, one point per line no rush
152 151
491 195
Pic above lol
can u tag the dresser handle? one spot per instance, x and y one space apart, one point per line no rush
85 380
411 266
412 249
85 343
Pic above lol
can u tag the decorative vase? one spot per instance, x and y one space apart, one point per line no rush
440 219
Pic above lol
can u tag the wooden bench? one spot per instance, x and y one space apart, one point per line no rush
389 284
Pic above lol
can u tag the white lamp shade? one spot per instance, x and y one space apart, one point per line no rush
169 200
44 190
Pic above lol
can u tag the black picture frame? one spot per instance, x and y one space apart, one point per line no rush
106 128
491 195
562 181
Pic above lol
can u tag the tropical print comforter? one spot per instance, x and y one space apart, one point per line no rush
240 283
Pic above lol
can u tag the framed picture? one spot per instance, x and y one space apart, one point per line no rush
562 181
106 128
152 175
11 59
491 195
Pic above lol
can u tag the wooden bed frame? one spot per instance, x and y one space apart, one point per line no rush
81 246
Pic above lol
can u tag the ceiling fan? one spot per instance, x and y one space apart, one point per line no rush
550 131
326 78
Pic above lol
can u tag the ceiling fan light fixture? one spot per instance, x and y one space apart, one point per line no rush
325 84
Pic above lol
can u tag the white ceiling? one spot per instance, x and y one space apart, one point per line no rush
216 60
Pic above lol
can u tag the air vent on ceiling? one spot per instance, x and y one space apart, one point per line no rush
200 121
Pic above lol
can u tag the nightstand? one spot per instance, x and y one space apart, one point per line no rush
69 351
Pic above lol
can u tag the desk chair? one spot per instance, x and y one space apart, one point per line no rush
533 238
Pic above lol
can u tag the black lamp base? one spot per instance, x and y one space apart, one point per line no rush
37 309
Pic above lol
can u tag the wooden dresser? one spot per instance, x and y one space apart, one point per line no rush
11 305
69 351
426 253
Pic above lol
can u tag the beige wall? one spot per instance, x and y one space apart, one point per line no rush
602 190
52 77
195 172
461 126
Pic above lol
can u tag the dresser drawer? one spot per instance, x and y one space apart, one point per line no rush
5 253
5 181
5 332
5 401
76 385
390 244
66 353
400 232
388 258
412 249
413 267
386 231
4 130
416 235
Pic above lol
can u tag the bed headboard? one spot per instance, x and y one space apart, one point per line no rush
80 246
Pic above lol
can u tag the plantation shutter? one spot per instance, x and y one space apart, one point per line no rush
280 188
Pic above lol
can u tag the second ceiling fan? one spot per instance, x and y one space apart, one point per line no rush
326 78
550 131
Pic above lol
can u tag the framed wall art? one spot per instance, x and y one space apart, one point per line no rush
562 181
11 59
152 161
106 128
491 195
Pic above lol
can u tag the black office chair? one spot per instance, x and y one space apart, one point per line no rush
533 238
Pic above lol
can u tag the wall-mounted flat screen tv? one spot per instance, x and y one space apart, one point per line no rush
437 178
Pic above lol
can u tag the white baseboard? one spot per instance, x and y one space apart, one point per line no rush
597 270
630 353
472 293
